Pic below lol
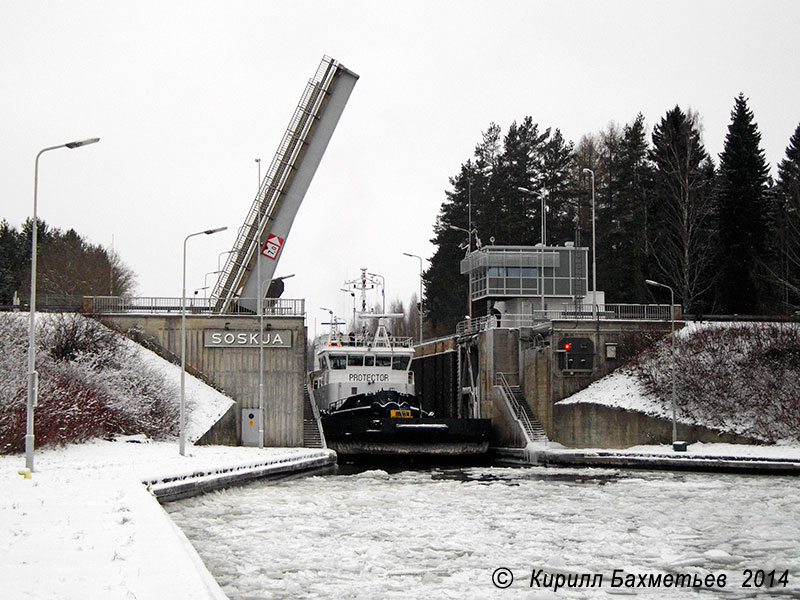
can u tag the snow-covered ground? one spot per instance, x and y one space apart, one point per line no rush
204 404
621 389
85 527
442 534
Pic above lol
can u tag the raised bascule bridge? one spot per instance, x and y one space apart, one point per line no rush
245 339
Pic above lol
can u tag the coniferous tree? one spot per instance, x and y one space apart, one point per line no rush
520 166
622 221
557 185
742 214
14 260
785 225
681 234
445 288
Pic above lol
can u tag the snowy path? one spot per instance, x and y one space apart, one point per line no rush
84 527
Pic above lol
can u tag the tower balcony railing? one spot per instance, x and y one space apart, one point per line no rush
571 312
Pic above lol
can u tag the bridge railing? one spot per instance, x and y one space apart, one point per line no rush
637 312
273 307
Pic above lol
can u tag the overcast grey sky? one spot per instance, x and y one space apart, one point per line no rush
185 96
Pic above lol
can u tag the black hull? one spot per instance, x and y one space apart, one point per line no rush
406 437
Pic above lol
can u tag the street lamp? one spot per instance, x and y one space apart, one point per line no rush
594 253
469 233
33 376
420 291
543 209
544 242
674 369
205 281
260 309
182 424
219 259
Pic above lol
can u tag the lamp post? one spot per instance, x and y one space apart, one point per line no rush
420 291
182 424
219 259
544 243
469 232
33 376
205 281
260 309
594 253
674 366
543 209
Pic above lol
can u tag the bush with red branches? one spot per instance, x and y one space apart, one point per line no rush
91 384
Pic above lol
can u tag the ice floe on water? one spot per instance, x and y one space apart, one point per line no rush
443 533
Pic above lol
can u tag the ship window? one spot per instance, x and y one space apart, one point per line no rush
400 363
383 360
338 361
354 360
369 361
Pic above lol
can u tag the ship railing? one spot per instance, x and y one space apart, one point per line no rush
346 341
571 311
273 307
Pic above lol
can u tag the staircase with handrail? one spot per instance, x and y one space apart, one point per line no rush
531 427
313 436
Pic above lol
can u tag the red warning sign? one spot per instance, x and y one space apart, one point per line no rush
272 247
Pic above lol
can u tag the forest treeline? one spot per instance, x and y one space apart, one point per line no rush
67 264
724 235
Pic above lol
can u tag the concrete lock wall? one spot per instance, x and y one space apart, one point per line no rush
499 353
596 426
233 369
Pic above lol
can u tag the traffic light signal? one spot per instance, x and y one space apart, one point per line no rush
575 354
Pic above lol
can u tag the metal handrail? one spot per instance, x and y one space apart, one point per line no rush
273 307
605 312
522 417
360 341
315 411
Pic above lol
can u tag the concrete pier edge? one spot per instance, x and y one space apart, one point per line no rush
660 462
185 485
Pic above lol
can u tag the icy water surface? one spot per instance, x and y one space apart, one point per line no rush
443 533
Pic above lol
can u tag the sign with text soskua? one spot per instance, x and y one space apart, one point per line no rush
241 338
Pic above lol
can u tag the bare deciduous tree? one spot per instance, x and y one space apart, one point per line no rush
682 238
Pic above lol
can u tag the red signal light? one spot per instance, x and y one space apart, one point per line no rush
567 346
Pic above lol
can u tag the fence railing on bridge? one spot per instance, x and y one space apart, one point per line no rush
637 312
273 307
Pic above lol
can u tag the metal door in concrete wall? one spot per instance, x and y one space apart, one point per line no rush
251 423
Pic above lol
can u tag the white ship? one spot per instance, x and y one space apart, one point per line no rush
364 386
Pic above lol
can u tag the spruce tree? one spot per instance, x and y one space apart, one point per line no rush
14 261
742 214
622 259
445 288
785 226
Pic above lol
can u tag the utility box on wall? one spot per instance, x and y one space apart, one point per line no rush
251 424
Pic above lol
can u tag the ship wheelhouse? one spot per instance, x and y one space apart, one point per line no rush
348 365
